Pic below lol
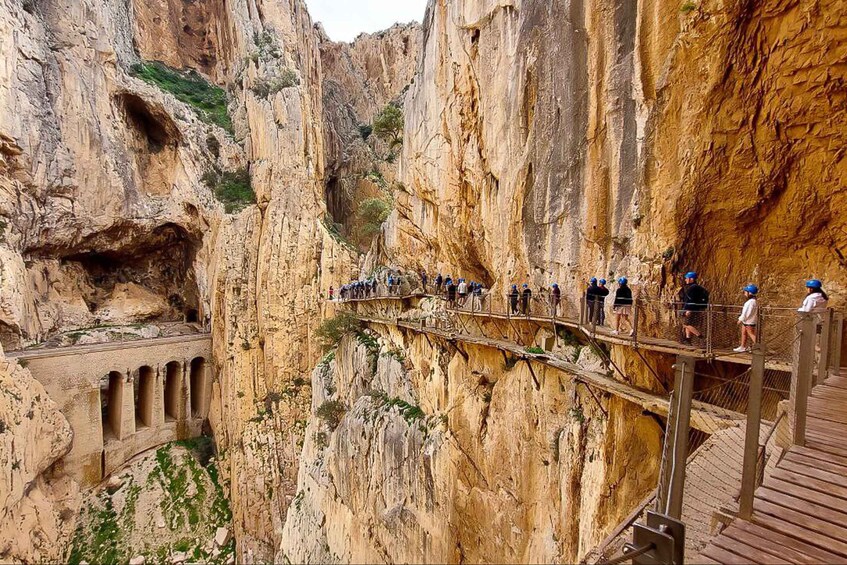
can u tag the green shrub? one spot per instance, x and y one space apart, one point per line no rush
233 189
535 350
365 130
373 212
331 412
334 229
388 125
331 330
264 88
208 100
688 7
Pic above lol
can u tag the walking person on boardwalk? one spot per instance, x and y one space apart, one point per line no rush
451 292
555 299
513 299
749 318
591 300
622 307
439 280
816 299
423 280
331 293
602 293
695 301
463 292
526 296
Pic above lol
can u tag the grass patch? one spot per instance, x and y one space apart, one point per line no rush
267 87
334 229
234 189
688 7
535 350
409 412
208 101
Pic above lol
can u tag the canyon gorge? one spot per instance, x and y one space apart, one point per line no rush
202 172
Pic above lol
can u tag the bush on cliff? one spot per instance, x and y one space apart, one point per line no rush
331 330
234 189
373 212
208 100
388 125
331 412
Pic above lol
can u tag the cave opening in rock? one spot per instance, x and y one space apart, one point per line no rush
145 392
173 374
155 126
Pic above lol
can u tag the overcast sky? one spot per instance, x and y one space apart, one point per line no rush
343 20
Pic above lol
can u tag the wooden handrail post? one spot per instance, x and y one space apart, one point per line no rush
672 481
749 470
837 342
826 346
801 378
709 331
635 322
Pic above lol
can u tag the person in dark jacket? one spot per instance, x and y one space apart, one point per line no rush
526 296
513 299
451 293
591 300
602 293
423 280
622 307
695 301
555 299
439 280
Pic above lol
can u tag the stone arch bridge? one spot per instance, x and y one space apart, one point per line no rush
122 399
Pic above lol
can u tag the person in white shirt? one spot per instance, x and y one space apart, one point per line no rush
749 318
816 299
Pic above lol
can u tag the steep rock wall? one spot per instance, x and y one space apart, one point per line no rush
417 453
552 141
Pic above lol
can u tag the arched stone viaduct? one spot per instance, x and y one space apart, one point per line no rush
124 398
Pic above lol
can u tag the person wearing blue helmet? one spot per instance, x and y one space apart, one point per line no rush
555 299
816 299
591 300
526 296
749 318
463 292
513 299
622 307
602 293
439 280
451 292
695 301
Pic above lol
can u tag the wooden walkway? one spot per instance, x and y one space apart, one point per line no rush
704 417
800 511
600 333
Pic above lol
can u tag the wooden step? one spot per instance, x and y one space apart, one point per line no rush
806 506
787 546
811 443
796 523
800 479
828 499
832 478
818 454
721 555
817 463
753 553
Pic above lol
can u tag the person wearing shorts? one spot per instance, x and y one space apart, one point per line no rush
622 307
749 318
695 301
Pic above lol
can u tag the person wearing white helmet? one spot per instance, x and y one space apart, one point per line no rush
749 318
622 307
816 299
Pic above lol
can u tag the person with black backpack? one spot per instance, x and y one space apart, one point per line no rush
695 301
513 299
451 292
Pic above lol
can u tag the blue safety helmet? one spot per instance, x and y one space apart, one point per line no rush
752 289
622 280
814 283
555 285
691 275
602 281
514 287
593 280
525 285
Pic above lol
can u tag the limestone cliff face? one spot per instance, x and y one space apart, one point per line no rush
417 452
553 140
359 80
38 504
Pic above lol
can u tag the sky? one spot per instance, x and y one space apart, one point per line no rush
343 20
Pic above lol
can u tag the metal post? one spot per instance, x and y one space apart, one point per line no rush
801 379
826 346
709 322
751 440
837 339
672 481
582 312
635 322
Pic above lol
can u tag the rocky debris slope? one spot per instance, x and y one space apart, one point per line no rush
38 505
164 507
422 452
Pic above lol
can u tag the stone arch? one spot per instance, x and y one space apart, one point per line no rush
111 405
145 397
173 391
198 387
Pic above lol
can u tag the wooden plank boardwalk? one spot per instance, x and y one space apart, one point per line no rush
704 417
800 511
600 333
